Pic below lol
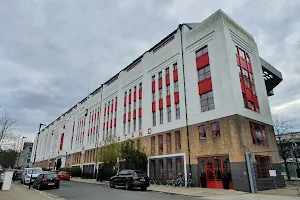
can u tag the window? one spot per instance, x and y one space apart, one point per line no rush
134 89
168 90
140 86
153 78
160 144
169 142
128 127
242 53
140 103
140 123
134 105
202 132
169 113
134 125
160 93
161 116
175 66
169 168
159 74
129 91
125 109
153 144
263 166
176 88
216 129
154 118
167 70
129 107
177 110
153 97
246 78
204 73
258 134
177 140
201 51
207 101
124 127
251 105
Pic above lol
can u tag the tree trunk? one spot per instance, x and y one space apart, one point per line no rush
287 170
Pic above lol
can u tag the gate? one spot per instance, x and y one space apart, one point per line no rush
267 177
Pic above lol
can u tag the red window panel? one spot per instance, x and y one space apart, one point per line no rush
153 86
140 93
176 97
205 86
106 125
134 114
110 123
129 100
168 79
104 111
160 83
124 118
140 112
153 106
108 109
115 122
116 105
160 104
134 96
258 134
202 61
61 141
168 101
175 75
243 86
124 100
249 95
98 115
129 116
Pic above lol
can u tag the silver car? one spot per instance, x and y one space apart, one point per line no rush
30 172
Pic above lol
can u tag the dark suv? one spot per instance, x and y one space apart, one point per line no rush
46 180
130 179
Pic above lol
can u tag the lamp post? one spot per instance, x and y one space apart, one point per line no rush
37 141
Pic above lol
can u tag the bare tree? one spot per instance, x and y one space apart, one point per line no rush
283 129
7 125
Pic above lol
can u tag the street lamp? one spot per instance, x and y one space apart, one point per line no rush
38 134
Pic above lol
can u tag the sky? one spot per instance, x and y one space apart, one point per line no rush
47 46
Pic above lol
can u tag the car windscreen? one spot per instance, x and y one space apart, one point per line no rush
48 176
140 174
35 171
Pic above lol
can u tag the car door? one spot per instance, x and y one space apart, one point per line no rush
124 177
116 178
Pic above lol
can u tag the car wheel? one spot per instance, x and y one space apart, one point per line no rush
143 188
57 187
112 184
39 187
22 181
127 186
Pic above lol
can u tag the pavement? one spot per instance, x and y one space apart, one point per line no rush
21 192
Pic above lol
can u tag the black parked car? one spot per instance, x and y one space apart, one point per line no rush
130 179
46 180
17 175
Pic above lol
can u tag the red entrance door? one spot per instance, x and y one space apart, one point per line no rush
213 167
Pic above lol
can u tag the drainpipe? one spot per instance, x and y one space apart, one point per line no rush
186 115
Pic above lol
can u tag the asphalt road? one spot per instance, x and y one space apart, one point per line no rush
83 191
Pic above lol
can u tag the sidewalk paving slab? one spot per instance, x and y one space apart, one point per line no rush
21 192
